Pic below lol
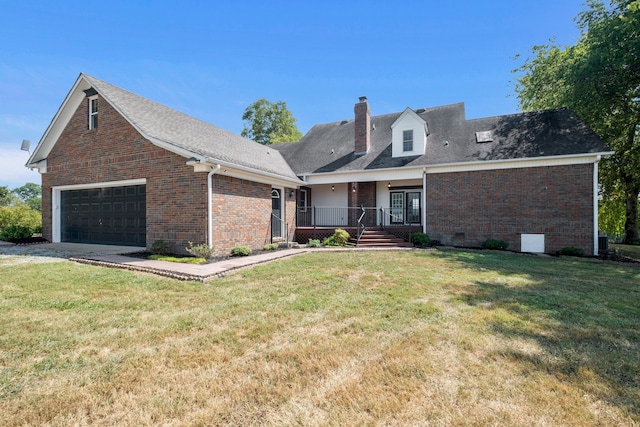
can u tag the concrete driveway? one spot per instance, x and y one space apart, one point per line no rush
65 250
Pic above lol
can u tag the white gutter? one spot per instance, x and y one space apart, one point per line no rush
596 249
213 170
424 200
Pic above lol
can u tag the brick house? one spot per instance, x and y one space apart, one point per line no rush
120 169
529 179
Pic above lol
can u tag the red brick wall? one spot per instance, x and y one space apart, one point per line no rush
362 126
176 196
365 195
466 208
241 213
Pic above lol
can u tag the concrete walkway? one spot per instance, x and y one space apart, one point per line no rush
177 270
116 257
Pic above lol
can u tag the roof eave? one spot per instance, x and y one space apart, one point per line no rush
471 166
58 123
271 177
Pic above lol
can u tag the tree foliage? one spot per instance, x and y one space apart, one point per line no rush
269 123
599 79
7 198
31 194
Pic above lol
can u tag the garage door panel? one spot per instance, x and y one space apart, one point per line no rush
109 215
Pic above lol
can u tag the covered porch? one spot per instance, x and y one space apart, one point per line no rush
395 206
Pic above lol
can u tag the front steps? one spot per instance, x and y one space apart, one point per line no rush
381 239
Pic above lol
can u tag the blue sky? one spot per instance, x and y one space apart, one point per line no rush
211 59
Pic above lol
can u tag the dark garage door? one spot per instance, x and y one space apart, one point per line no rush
108 216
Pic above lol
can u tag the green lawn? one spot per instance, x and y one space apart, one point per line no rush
632 251
328 338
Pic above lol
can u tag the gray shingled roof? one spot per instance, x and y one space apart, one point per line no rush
452 139
180 130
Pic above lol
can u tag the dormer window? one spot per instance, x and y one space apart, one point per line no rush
407 140
409 135
93 112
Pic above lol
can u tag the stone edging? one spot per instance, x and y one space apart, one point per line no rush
175 274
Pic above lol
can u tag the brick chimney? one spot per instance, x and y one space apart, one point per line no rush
362 127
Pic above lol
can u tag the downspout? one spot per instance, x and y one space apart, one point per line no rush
424 200
213 170
596 249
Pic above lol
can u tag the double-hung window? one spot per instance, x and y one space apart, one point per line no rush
407 140
93 112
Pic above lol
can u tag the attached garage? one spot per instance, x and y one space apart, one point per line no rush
104 215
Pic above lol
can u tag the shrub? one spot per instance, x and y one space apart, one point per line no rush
270 247
314 243
499 245
241 251
16 232
570 251
20 215
614 255
201 250
420 239
329 241
340 237
160 247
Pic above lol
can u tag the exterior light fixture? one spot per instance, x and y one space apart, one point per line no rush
333 188
389 185
354 187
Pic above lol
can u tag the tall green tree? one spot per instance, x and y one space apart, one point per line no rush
7 198
31 194
269 123
599 79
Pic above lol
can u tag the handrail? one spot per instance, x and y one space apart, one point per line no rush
361 224
343 217
282 222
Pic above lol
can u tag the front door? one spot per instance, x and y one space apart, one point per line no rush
405 207
397 207
413 208
276 213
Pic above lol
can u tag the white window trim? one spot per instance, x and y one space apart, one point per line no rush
283 213
405 141
92 114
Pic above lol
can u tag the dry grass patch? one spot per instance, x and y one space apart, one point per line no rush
388 338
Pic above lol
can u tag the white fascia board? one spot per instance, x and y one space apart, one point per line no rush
262 178
408 111
530 162
59 122
415 172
